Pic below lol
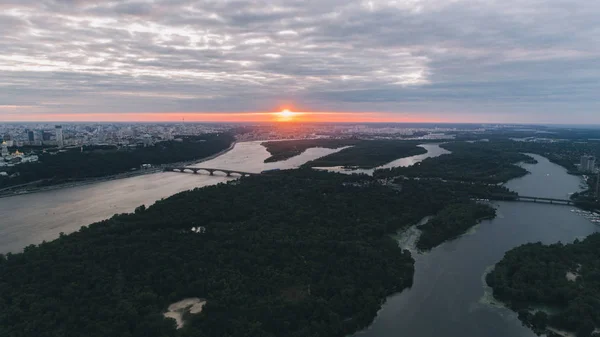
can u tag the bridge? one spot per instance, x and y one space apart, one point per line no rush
510 197
211 171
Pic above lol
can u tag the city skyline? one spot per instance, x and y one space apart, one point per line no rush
529 61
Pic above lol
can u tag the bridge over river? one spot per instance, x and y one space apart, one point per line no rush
509 197
208 170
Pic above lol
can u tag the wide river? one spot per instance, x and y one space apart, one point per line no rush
449 296
32 218
433 150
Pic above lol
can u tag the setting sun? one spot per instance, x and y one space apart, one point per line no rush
286 115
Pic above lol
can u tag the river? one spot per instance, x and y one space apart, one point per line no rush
449 296
32 218
433 150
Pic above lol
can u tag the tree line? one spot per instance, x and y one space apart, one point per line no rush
468 162
563 278
93 162
293 253
286 149
369 154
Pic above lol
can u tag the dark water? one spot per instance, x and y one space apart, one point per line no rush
449 296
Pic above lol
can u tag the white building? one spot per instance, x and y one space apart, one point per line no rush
60 140
588 164
4 149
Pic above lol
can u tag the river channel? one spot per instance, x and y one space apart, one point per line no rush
32 218
433 150
449 296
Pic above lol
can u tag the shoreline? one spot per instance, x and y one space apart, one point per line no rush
90 181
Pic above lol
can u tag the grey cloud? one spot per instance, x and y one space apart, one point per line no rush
223 55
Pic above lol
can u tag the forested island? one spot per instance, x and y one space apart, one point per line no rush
99 161
292 253
552 286
369 154
468 162
286 149
453 221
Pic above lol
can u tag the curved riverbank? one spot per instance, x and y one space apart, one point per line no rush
35 217
9 191
448 287
433 150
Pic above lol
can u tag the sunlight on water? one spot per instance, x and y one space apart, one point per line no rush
31 218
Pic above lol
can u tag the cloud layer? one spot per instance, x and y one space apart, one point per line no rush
522 60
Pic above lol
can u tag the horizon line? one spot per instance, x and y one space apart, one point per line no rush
277 117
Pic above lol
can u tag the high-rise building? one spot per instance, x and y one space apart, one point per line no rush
30 136
588 164
4 149
60 141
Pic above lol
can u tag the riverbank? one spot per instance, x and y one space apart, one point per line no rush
448 288
533 277
21 190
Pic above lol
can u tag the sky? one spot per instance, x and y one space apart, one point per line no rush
513 61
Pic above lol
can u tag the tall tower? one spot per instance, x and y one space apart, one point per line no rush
4 149
59 136
598 186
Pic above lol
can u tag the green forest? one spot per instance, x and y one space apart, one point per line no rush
563 152
565 279
293 253
369 154
468 162
451 222
93 162
286 149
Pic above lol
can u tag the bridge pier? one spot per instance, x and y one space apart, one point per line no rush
210 171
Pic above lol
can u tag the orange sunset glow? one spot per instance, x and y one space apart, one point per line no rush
281 116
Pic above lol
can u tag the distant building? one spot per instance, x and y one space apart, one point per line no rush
60 141
31 136
147 139
4 149
588 164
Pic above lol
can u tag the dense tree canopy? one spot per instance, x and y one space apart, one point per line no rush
74 164
285 149
369 154
565 279
292 253
469 162
453 221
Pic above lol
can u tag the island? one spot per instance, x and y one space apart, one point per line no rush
468 162
368 154
292 253
554 288
453 221
286 149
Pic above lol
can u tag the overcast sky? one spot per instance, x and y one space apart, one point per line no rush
447 60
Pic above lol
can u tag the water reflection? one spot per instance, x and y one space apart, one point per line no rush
449 295
433 150
32 218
